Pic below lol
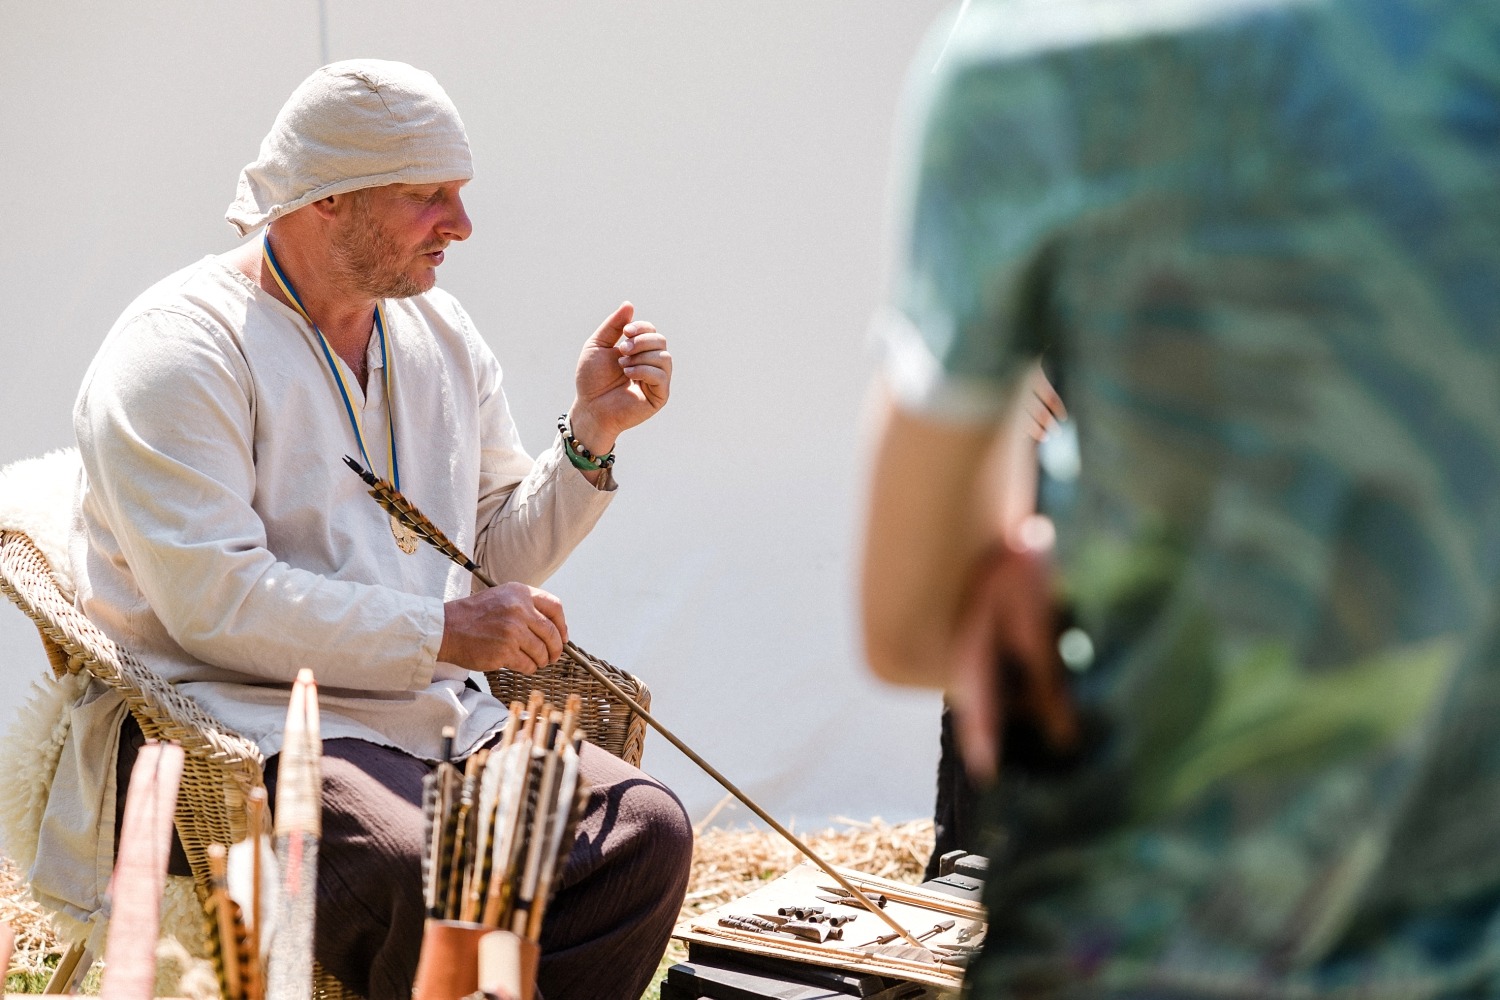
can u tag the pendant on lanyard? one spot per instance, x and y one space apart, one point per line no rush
406 539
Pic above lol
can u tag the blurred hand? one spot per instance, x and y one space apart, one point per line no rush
509 627
1044 407
1008 621
624 376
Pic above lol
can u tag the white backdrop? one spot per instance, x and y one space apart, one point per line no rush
722 165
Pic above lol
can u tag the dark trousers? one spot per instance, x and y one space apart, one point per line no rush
956 813
605 931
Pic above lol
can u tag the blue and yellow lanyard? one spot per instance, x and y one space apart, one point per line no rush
338 374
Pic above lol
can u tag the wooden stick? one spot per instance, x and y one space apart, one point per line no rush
479 832
468 825
839 950
229 950
561 825
257 810
494 783
461 840
508 811
561 828
581 658
532 891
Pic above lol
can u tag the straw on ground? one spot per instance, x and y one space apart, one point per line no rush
727 863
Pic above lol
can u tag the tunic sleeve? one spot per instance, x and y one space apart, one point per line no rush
165 425
992 183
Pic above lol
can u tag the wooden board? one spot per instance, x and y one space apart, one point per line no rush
914 908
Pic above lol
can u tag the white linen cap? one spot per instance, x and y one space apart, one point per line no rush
354 124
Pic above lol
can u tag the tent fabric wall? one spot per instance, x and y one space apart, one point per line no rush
724 166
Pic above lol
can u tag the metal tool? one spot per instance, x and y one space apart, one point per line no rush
937 928
933 931
837 895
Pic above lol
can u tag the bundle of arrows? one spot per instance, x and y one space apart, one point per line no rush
499 828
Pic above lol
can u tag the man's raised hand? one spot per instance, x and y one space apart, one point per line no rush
624 376
509 627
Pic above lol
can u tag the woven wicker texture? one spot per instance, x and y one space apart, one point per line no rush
606 721
221 766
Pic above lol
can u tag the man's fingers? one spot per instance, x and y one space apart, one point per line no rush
645 340
549 627
1008 621
974 689
534 647
550 639
1035 431
551 609
1051 403
509 627
529 651
657 359
651 374
653 384
1033 637
613 328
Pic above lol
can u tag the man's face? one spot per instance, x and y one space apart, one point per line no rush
390 240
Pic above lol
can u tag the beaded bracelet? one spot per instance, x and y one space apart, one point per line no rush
577 453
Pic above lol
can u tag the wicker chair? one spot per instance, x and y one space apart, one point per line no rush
221 766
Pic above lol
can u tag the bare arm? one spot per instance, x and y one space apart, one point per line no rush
941 495
955 579
925 526
623 378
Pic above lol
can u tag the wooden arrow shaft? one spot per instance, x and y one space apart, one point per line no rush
387 496
581 659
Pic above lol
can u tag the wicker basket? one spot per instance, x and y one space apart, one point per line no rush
607 721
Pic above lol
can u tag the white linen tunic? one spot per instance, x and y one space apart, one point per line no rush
224 541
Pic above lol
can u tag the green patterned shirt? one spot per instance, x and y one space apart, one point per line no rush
1258 246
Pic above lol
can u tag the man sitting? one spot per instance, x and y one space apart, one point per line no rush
226 543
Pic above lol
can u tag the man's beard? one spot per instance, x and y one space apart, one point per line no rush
369 260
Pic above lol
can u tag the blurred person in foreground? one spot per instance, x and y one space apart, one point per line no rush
224 541
1258 244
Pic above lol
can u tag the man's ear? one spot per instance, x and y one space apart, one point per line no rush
329 208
